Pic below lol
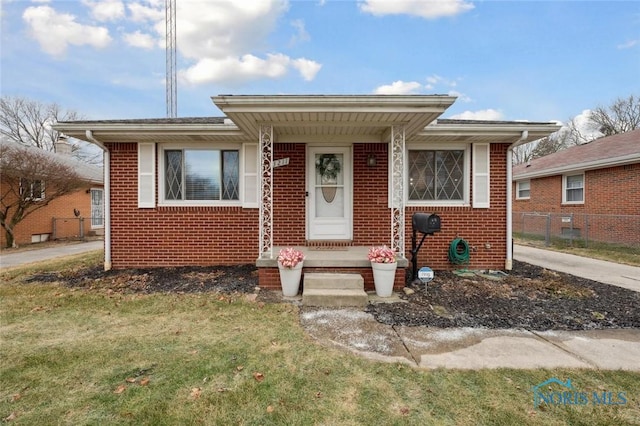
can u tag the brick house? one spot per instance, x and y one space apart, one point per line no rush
232 190
58 220
585 184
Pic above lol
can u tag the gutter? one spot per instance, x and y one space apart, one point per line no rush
107 199
508 264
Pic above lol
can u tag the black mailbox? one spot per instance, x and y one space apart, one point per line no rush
426 223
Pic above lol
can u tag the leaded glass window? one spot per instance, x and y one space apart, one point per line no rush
436 175
200 174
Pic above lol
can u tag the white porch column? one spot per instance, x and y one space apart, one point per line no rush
266 191
397 189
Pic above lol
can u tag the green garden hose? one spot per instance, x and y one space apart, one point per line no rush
459 251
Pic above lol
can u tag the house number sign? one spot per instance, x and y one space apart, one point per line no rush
281 162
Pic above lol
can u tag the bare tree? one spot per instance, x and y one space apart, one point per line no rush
538 148
31 179
623 115
29 122
523 153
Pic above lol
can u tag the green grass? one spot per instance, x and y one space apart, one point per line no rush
212 359
596 250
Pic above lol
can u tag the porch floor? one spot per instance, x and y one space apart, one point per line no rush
334 257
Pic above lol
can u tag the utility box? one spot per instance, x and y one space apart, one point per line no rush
426 223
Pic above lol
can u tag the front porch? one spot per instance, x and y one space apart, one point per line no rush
319 259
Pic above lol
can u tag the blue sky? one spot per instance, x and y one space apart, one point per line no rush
510 60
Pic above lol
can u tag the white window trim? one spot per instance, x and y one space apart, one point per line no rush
199 203
564 189
467 170
518 197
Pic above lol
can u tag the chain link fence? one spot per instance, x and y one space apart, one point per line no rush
578 229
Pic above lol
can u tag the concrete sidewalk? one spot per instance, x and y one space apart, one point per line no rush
37 255
473 348
597 270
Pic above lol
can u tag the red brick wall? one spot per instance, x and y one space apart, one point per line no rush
483 229
371 213
172 236
228 235
614 190
608 191
289 186
41 220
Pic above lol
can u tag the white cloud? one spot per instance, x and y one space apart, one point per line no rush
432 9
223 38
225 27
461 96
301 34
307 68
399 88
105 10
485 115
247 67
143 13
585 128
140 39
56 31
629 44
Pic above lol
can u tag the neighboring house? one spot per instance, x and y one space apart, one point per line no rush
320 172
594 188
74 215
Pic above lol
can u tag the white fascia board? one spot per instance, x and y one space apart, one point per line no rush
536 131
78 131
581 167
360 103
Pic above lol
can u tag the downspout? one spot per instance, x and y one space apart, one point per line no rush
508 264
107 199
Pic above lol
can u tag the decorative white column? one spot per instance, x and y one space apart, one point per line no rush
266 191
397 189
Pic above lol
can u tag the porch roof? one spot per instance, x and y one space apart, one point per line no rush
311 118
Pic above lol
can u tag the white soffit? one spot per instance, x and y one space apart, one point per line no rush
347 116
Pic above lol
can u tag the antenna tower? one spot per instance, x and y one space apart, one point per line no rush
171 80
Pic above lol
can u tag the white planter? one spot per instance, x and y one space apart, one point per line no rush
384 275
290 279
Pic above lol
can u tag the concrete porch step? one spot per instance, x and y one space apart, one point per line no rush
326 281
334 297
334 290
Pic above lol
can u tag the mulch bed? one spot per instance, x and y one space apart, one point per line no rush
530 297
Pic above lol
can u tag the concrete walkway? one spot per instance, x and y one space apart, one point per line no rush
598 270
473 348
37 255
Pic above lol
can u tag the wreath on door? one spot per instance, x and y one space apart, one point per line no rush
328 166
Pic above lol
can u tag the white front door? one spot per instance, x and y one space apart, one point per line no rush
329 200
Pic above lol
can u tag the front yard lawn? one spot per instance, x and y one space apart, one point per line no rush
98 356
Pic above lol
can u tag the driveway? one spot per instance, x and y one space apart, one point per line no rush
597 270
25 257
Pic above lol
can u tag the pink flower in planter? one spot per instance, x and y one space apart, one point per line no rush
381 254
290 257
